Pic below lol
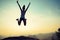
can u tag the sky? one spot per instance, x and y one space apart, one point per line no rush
43 16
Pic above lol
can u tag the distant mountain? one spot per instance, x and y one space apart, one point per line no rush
20 38
47 36
1 37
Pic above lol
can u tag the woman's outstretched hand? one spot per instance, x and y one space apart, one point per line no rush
17 1
29 2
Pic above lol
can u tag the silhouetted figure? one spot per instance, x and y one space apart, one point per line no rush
56 36
23 12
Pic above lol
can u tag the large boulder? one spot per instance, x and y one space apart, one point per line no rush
20 38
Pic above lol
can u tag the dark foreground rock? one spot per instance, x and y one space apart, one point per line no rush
20 38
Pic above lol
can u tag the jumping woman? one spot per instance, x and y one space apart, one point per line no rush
23 12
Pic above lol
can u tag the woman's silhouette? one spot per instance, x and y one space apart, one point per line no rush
23 12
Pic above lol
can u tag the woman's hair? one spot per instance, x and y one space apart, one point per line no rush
23 7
